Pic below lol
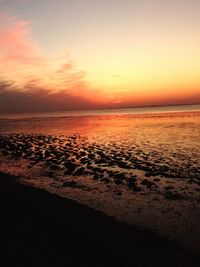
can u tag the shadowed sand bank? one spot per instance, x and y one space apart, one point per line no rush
41 229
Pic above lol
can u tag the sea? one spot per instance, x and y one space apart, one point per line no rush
138 165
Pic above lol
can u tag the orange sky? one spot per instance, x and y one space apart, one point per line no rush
89 55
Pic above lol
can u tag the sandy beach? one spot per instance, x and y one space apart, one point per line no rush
42 229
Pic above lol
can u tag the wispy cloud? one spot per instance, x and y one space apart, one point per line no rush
36 82
17 46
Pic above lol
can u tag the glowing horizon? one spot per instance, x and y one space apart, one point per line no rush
93 54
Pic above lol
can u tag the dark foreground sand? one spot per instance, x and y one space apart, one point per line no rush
41 229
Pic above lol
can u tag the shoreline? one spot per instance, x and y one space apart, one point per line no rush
42 229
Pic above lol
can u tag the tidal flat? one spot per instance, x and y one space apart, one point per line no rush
141 170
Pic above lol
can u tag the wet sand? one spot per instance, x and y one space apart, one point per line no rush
42 229
129 183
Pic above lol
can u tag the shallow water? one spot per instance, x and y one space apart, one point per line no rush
140 168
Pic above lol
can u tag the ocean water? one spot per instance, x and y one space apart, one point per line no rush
141 166
116 111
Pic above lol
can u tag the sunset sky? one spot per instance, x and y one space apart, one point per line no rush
75 54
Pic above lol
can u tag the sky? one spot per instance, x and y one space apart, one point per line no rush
87 54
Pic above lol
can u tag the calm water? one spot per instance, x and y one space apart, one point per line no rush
118 111
138 165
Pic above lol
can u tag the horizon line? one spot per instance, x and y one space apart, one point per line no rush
101 108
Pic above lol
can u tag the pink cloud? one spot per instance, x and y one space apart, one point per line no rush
20 54
36 82
17 46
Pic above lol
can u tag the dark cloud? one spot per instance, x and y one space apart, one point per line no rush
34 99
